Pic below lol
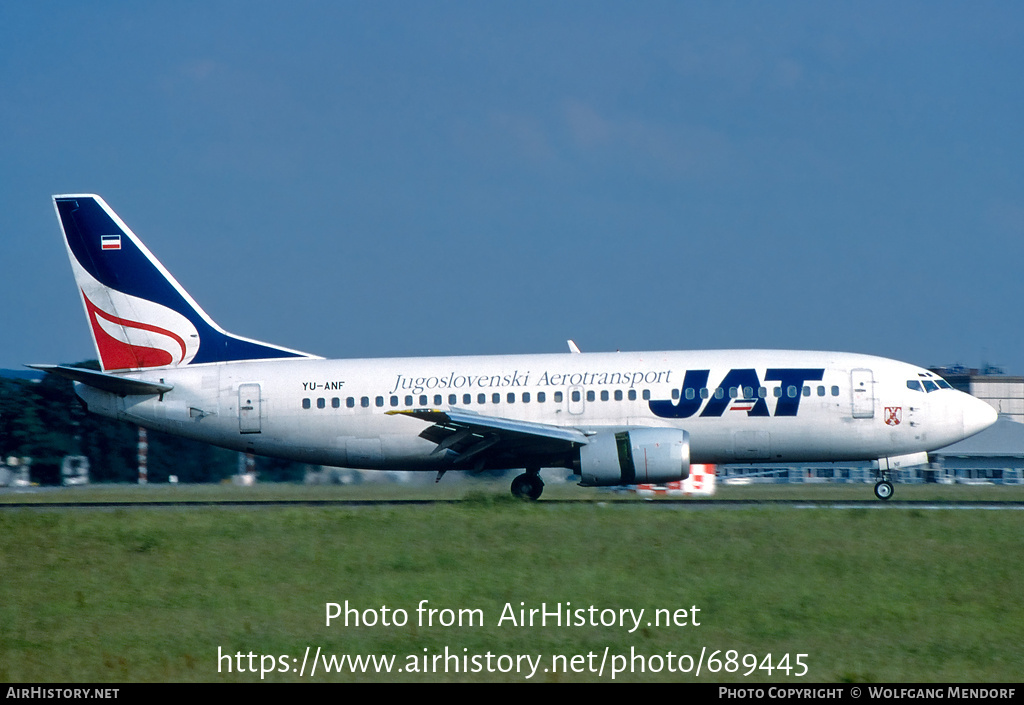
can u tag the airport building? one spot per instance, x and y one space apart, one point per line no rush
995 455
1004 393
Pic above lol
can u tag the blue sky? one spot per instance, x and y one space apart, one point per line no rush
363 179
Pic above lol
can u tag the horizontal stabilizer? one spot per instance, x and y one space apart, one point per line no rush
115 384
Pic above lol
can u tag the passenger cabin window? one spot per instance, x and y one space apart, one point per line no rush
321 403
558 397
541 397
835 391
306 404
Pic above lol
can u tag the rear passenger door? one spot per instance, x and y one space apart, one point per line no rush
250 408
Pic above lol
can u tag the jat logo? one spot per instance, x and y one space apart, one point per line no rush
746 381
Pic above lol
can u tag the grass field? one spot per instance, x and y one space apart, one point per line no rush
868 594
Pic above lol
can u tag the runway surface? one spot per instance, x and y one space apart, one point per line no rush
646 504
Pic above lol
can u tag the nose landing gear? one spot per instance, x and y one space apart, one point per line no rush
883 488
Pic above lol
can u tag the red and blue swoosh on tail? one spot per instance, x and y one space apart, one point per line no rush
140 317
120 341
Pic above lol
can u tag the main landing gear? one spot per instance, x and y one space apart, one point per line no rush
528 485
883 488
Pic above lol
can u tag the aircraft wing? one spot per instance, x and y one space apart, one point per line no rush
474 437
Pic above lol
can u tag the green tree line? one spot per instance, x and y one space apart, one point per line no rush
44 420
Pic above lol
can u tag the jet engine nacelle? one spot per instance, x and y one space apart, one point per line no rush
637 456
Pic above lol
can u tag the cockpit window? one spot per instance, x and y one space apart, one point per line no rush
928 385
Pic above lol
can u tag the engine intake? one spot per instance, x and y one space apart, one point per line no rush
636 456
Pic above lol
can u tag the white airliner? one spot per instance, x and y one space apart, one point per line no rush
614 418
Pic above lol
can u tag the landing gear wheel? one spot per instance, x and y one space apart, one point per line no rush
883 490
527 486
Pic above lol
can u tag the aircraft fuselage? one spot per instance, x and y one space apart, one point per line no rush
737 405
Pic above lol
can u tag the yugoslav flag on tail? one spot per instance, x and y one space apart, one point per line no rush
140 317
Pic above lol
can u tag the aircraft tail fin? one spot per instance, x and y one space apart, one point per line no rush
139 316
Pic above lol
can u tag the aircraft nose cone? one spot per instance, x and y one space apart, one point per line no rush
977 416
